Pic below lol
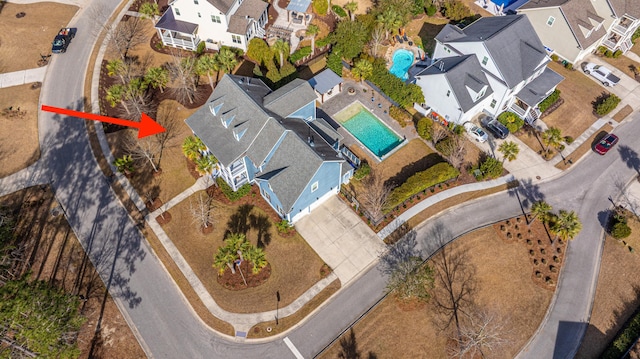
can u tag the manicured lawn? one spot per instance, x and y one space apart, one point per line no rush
390 329
616 294
295 267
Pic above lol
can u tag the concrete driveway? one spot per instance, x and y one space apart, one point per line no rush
340 238
624 88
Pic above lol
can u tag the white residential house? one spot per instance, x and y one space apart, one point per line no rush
574 28
216 22
510 58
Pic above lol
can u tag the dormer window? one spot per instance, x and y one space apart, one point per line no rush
227 122
550 21
239 133
215 109
485 60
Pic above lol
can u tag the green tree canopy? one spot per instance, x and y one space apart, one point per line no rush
349 38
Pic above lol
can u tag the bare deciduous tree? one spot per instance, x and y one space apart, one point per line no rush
183 74
438 134
375 197
143 150
377 37
166 117
456 151
127 35
481 332
627 199
201 210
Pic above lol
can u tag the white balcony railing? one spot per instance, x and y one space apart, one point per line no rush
609 44
188 44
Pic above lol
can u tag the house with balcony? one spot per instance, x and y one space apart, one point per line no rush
509 71
272 139
574 28
218 23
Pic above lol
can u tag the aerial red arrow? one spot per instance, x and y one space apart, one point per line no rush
146 127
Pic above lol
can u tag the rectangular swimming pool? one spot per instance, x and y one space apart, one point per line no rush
368 129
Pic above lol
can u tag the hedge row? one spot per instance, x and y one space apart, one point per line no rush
420 181
607 105
244 190
625 339
300 54
550 100
339 11
404 94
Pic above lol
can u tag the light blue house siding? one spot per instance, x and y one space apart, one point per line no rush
328 181
307 113
251 169
269 196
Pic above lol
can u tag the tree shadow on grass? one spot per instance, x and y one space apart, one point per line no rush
239 221
349 348
262 224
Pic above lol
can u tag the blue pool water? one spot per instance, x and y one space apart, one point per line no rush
506 3
371 132
402 61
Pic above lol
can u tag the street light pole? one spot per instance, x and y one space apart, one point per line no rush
277 305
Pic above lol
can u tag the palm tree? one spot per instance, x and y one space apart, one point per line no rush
566 225
362 70
124 164
149 11
157 77
312 31
541 209
509 150
192 148
256 256
281 47
552 137
205 164
224 257
351 7
391 21
227 59
206 65
116 94
116 68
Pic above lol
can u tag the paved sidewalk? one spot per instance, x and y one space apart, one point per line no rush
28 177
17 78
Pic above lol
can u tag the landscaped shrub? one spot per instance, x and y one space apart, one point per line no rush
550 100
229 193
323 42
431 10
620 230
404 94
635 35
608 53
455 10
339 11
259 51
201 47
568 139
300 53
625 338
444 146
334 62
511 121
568 66
362 171
424 128
420 181
399 115
554 57
617 54
606 104
602 49
320 7
491 167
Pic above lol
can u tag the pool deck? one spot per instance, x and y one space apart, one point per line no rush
344 99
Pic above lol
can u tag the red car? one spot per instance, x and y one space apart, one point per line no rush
606 143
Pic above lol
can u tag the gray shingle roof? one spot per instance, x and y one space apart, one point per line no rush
461 72
169 22
510 40
537 90
579 14
621 7
325 81
248 10
289 98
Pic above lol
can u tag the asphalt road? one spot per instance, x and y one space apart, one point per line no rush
166 325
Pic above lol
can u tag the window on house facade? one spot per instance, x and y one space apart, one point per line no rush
551 20
447 50
236 39
215 18
448 93
177 11
485 60
195 2
314 186
199 15
266 195
480 94
493 103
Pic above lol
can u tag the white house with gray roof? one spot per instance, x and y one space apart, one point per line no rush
511 58
272 139
216 22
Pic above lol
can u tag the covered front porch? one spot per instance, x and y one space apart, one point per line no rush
177 33
525 103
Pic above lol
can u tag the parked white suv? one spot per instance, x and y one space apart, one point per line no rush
601 73
475 132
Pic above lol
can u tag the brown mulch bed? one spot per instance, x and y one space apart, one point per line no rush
253 199
233 281
164 218
546 257
163 5
191 167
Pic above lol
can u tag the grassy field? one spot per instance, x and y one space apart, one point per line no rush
37 28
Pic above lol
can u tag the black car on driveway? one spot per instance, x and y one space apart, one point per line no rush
497 129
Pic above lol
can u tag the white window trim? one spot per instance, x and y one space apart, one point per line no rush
314 186
552 20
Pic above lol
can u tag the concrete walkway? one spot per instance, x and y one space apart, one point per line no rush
17 78
341 238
